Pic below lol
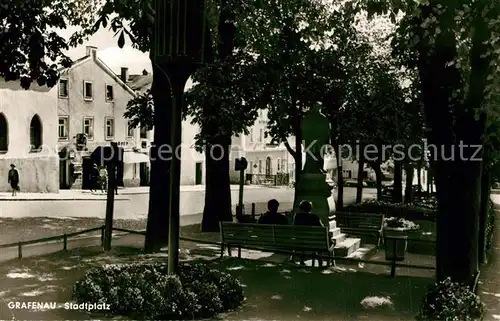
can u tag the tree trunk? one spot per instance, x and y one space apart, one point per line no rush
409 170
458 192
218 188
483 213
298 160
458 178
361 167
419 178
340 181
397 196
378 174
159 191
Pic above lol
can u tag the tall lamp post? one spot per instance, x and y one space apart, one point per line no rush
182 43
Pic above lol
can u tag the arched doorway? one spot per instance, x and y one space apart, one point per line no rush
36 133
4 133
268 166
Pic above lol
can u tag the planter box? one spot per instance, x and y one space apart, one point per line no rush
395 247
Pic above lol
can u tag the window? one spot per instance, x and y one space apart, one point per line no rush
36 134
283 165
4 134
109 93
88 90
63 127
63 88
144 132
251 135
110 128
278 166
261 136
260 166
130 129
88 127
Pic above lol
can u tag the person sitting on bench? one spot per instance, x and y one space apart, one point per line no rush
304 217
272 216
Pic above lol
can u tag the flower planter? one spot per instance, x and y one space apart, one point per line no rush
395 247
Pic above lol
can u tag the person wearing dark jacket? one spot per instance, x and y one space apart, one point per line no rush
94 178
272 216
13 179
305 217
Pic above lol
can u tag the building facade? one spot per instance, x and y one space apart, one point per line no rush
268 163
91 103
28 136
192 162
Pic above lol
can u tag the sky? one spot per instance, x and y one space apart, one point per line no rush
109 52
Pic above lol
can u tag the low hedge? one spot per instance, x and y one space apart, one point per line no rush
146 291
450 301
408 212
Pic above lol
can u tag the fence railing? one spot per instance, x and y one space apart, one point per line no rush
280 179
63 237
392 262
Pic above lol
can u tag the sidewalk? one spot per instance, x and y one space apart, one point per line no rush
84 195
63 195
489 286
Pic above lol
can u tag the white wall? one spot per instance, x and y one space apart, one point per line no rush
39 171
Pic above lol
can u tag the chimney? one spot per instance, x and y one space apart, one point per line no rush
124 74
91 51
144 72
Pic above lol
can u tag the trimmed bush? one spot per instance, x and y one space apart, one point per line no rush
408 212
450 301
146 291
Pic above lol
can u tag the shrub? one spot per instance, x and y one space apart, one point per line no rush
147 291
400 223
450 301
408 212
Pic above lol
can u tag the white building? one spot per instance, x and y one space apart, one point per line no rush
192 162
28 136
92 101
267 161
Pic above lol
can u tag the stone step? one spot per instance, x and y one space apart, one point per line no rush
339 238
334 232
333 225
347 247
363 252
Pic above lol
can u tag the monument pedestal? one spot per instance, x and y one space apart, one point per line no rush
313 187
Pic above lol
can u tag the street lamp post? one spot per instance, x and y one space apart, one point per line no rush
182 43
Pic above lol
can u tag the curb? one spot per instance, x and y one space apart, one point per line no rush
58 199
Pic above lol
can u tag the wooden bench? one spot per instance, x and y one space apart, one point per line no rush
361 224
287 239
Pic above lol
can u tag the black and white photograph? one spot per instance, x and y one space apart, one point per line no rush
250 160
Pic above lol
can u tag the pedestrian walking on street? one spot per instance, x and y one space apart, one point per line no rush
94 178
103 177
14 179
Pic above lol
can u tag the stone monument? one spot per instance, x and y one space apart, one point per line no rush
312 185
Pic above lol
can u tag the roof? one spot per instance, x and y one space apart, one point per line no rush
140 83
105 68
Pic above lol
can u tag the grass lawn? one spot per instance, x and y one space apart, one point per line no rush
274 291
30 228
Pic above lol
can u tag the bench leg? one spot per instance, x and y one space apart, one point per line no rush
221 251
320 259
229 251
239 253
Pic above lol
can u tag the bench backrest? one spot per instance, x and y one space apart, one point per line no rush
275 236
359 220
